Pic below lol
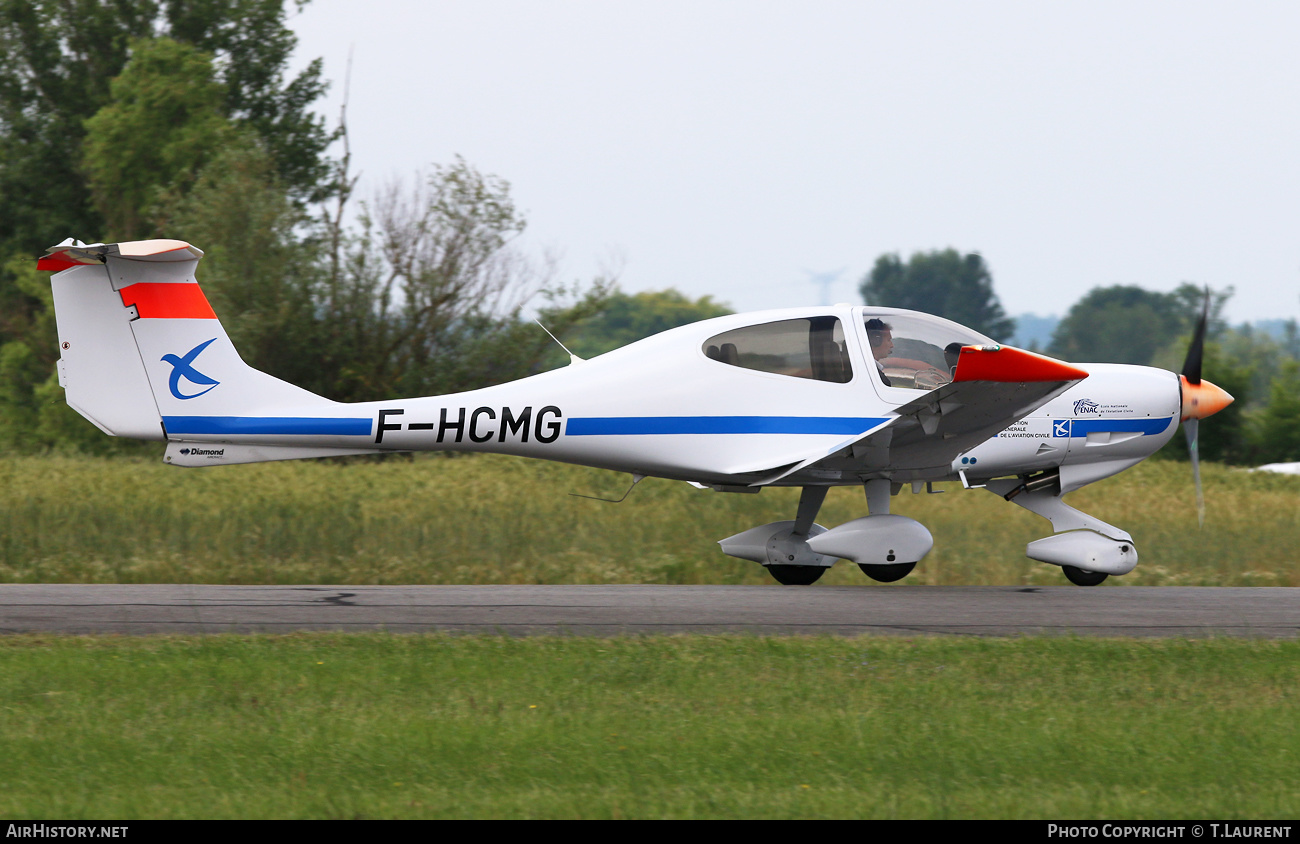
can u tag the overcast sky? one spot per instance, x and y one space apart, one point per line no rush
736 148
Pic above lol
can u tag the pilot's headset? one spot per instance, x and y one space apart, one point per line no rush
876 329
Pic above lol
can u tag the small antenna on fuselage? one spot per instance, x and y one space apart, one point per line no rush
572 357
637 478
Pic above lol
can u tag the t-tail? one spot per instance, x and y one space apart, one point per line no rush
144 356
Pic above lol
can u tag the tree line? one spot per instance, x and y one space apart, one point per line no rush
180 118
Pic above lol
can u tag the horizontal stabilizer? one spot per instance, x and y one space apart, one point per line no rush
71 253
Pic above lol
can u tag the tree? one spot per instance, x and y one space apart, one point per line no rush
26 362
1129 324
167 93
259 275
1276 434
944 283
175 118
208 65
58 59
1263 354
625 318
56 62
252 45
428 297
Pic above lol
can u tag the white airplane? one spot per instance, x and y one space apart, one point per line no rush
806 397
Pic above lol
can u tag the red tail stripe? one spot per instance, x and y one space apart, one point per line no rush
168 301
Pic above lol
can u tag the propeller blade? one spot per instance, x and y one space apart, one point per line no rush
1190 427
1196 351
1199 399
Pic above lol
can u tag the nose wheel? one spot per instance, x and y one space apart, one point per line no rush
1079 577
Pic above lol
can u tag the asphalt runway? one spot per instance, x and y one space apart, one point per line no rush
616 610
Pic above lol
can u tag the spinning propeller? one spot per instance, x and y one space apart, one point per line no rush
1200 399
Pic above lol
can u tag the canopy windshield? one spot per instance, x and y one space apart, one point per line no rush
917 351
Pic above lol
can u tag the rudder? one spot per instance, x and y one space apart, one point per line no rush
100 369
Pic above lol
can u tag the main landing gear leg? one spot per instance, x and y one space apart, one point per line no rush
879 491
810 503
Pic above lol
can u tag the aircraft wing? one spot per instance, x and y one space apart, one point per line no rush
993 387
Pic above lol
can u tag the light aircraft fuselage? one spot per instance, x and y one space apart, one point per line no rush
807 397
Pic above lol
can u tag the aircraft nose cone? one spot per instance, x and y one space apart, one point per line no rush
1203 399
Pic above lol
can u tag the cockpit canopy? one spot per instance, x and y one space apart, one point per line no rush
909 349
917 351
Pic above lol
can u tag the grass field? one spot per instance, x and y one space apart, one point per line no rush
487 519
338 726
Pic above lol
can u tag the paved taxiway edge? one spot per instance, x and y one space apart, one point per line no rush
1268 612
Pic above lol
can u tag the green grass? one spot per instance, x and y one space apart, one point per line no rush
488 519
332 726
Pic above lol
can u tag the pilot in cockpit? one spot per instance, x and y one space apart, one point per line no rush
881 337
916 351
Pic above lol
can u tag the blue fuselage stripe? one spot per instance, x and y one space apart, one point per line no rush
1146 427
641 425
303 425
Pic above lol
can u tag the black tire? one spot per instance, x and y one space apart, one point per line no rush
1079 577
796 575
887 573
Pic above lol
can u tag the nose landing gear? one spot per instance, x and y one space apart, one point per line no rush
1087 549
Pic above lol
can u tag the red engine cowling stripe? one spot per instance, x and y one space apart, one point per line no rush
1007 364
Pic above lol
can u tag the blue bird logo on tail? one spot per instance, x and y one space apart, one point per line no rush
182 366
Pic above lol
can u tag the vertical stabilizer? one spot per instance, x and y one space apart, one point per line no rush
143 353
